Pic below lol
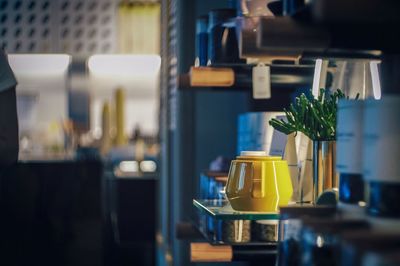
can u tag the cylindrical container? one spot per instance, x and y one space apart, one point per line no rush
324 171
349 151
201 41
222 40
236 231
120 138
381 167
265 230
320 240
290 225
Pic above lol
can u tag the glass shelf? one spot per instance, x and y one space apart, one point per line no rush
221 210
213 240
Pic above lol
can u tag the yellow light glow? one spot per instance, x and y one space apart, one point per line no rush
124 65
34 64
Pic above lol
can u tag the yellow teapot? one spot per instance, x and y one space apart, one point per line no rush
257 182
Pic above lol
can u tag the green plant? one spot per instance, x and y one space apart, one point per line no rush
315 117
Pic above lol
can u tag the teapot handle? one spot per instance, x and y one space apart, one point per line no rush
240 179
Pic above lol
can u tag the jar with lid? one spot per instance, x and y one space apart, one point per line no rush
290 225
321 240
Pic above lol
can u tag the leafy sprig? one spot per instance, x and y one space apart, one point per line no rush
315 117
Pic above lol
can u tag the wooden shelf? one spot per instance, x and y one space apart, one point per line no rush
239 77
204 252
211 77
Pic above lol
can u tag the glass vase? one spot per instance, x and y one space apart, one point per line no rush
324 172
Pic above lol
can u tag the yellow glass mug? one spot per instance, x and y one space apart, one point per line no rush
258 183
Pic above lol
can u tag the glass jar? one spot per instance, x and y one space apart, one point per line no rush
266 230
321 240
234 231
290 225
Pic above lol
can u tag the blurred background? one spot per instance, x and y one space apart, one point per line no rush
84 189
129 110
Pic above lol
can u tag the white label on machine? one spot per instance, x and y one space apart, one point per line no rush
261 82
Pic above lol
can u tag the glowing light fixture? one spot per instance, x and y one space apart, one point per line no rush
129 166
34 64
320 72
376 84
124 65
320 241
148 166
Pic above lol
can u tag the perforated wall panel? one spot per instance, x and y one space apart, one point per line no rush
87 27
76 27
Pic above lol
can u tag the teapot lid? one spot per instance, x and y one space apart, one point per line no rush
254 153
